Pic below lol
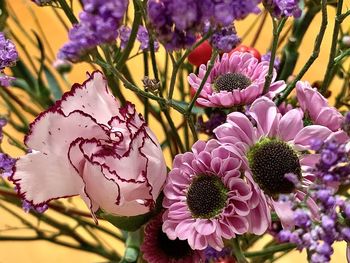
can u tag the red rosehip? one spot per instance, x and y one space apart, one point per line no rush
201 54
251 50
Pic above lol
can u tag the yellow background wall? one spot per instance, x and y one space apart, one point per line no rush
43 252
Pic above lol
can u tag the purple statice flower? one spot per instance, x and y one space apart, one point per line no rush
6 165
8 52
225 39
26 206
178 22
3 123
279 8
124 35
267 57
213 255
217 117
318 234
99 23
143 38
5 80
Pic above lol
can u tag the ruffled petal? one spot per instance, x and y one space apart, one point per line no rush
40 178
304 138
92 97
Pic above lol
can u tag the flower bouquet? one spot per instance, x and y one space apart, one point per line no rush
215 152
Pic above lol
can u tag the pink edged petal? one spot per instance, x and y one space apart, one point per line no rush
265 112
92 97
52 132
40 178
338 136
285 213
197 241
309 160
241 207
205 226
225 229
304 138
198 147
215 241
315 210
238 224
242 127
291 123
330 117
184 228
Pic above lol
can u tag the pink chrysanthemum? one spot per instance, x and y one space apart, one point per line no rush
207 201
236 79
273 146
316 107
158 248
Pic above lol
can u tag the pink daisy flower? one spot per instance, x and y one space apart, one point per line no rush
235 79
273 146
158 248
316 107
207 200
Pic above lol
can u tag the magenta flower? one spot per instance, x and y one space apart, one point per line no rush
158 248
316 107
87 145
207 200
274 148
235 79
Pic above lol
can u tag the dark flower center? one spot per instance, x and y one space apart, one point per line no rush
270 160
231 81
206 196
174 249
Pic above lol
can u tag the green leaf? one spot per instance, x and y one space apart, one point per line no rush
53 84
133 223
127 223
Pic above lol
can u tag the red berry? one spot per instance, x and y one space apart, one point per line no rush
201 54
251 50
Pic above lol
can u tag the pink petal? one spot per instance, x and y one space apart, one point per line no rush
40 178
304 138
291 123
205 227
92 97
52 132
285 213
265 112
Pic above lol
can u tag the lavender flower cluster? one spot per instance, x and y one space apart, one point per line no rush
279 8
177 23
99 23
317 235
8 58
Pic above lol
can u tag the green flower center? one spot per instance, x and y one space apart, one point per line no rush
174 249
270 160
231 81
206 196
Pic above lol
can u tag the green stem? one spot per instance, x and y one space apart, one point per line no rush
269 250
178 64
67 10
341 56
277 29
204 80
238 252
330 66
135 27
15 142
290 51
312 58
